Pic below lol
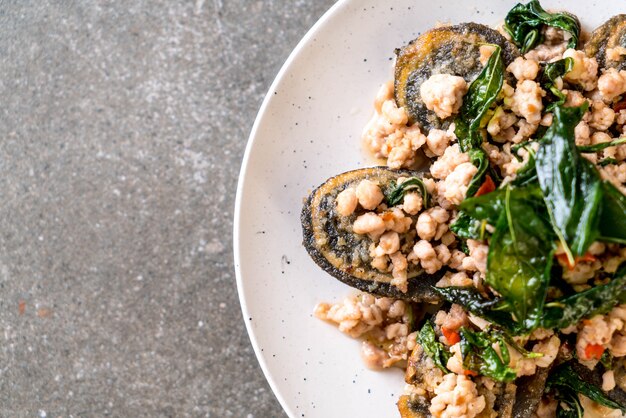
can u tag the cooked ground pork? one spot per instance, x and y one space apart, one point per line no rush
528 366
387 134
438 140
451 158
443 94
585 71
605 331
526 101
524 69
382 322
452 320
347 202
455 186
456 397
608 380
612 84
412 203
369 223
369 194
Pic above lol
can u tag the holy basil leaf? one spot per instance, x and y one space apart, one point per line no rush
595 301
522 145
607 161
480 356
467 227
515 345
565 380
612 221
520 257
475 212
551 72
479 158
490 206
432 347
395 192
473 226
520 250
569 405
556 69
582 207
487 207
525 21
469 297
607 360
570 184
527 174
603 145
473 301
481 94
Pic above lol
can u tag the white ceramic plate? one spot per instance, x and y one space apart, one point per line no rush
307 130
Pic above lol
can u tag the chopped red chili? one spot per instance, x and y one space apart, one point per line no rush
488 186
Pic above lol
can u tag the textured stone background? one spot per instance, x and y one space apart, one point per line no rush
122 127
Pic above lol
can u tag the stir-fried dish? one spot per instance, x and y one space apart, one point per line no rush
489 247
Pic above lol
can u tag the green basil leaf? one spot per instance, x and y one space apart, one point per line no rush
556 69
525 145
595 301
481 94
467 227
570 400
607 360
565 379
570 184
395 192
528 354
520 250
612 223
479 158
432 347
475 212
599 147
487 207
473 301
520 257
525 21
526 175
480 356
607 161
551 72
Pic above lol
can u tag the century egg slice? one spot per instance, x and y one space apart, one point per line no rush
453 50
610 35
344 254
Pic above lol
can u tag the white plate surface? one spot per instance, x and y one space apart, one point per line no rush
307 130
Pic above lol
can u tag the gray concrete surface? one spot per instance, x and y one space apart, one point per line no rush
122 127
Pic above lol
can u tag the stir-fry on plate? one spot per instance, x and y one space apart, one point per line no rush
487 247
493 272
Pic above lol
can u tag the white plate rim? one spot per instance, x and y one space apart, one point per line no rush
238 198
